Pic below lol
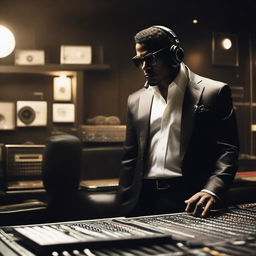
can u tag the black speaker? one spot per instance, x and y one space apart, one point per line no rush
176 52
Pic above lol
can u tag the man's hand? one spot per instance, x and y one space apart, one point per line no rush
200 204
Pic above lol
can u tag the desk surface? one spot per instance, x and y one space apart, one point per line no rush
99 183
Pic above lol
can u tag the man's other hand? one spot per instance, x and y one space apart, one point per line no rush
200 204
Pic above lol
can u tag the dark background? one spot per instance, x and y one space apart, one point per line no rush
110 25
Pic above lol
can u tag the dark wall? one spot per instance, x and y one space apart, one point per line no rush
110 25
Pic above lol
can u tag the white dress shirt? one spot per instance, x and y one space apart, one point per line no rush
165 123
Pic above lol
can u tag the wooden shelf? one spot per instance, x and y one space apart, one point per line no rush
50 69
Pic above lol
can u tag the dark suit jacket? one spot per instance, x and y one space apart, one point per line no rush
208 144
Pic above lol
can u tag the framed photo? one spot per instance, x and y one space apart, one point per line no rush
63 113
225 49
62 87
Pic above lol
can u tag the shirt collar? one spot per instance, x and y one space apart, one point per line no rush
180 81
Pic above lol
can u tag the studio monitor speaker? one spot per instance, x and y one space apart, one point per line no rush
31 113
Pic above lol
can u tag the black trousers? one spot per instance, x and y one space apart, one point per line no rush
160 196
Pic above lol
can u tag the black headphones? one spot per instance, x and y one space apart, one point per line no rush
176 52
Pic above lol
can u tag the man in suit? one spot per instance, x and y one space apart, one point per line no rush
181 146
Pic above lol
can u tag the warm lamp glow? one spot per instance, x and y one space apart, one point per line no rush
7 42
226 43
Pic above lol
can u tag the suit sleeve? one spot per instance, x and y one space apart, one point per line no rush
227 144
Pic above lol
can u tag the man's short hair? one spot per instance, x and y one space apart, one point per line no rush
153 39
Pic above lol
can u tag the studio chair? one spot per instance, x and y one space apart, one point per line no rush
61 175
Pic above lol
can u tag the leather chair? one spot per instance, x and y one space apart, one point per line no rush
61 177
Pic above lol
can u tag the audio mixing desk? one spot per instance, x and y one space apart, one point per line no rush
224 233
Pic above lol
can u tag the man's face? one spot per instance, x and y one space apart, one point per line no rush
156 72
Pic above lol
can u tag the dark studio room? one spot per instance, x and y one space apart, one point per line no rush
127 128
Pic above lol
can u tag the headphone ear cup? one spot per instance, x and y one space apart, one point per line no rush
177 54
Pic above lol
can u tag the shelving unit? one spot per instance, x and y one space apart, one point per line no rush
75 71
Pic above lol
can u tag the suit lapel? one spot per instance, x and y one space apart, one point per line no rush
145 103
192 98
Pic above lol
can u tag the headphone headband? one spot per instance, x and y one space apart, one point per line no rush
168 31
176 52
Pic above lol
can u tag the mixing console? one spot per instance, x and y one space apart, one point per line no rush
227 233
232 224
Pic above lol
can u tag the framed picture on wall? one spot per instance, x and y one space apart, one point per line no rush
225 49
62 88
63 113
